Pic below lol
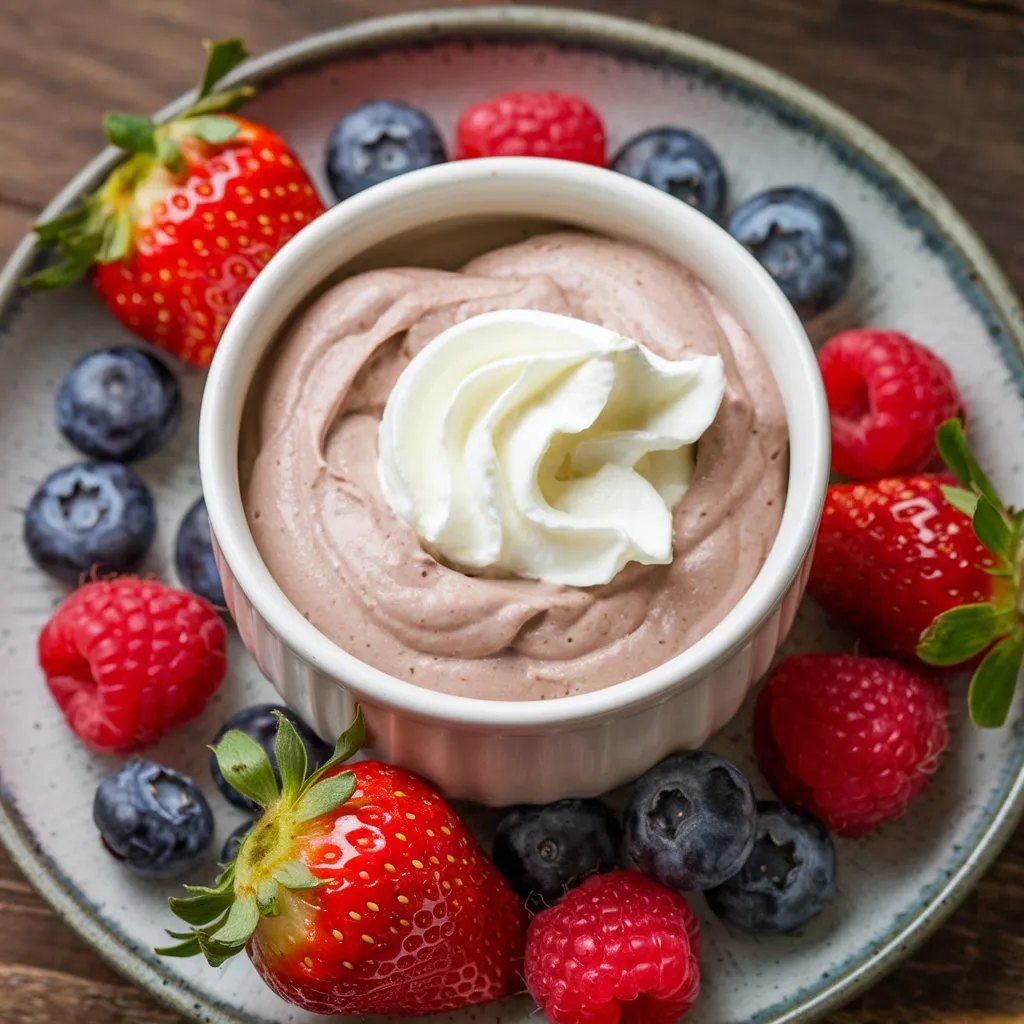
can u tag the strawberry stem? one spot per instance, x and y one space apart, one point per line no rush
100 230
223 918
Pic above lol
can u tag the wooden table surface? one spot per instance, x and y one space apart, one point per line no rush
943 79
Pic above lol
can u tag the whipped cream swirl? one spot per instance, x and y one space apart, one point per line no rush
531 444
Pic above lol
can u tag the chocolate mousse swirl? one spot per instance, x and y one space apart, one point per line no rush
358 573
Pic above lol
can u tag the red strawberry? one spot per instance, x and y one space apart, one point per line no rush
917 567
887 394
547 124
359 890
852 739
177 233
620 947
128 660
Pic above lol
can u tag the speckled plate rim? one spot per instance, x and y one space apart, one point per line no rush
919 203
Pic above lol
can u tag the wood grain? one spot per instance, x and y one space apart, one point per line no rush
943 79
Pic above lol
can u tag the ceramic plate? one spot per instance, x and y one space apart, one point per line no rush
921 269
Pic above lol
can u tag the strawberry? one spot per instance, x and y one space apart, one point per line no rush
176 234
359 891
923 569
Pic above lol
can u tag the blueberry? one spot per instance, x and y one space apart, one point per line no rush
691 821
678 162
193 555
378 141
259 723
234 841
788 879
118 403
153 819
800 238
90 516
545 851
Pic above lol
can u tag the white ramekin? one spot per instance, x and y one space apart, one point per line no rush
501 752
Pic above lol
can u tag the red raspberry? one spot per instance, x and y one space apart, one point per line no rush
532 124
887 394
852 739
127 660
620 947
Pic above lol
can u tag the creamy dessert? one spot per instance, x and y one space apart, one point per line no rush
450 616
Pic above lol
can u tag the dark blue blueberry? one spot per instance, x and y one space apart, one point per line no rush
152 819
691 821
545 851
378 141
234 841
118 403
789 878
259 723
800 238
91 516
193 555
678 162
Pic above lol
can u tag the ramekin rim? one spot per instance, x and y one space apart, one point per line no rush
218 457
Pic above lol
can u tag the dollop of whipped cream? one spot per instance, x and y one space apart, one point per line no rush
531 444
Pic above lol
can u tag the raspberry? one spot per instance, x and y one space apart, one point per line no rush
887 394
620 947
127 660
853 740
547 124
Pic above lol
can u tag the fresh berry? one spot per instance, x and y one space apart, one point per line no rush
852 739
90 517
260 723
176 234
234 841
887 395
691 821
152 819
193 556
118 403
545 851
894 554
128 660
678 162
618 948
359 891
922 567
378 141
547 124
789 878
800 238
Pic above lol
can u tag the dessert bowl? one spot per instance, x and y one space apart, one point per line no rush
497 751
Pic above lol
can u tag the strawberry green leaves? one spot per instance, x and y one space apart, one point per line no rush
247 768
992 529
951 442
993 685
290 753
964 632
324 797
223 918
131 132
101 228
212 128
221 58
958 635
